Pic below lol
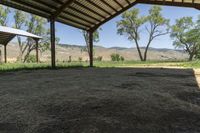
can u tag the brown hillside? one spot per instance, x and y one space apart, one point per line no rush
64 51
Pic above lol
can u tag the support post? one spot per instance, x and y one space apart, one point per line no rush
5 53
0 56
53 55
36 50
91 47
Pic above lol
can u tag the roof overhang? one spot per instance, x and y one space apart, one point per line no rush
7 34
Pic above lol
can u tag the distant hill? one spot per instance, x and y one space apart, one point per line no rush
63 51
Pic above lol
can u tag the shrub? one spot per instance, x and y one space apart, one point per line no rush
122 58
99 58
80 59
115 57
70 59
31 59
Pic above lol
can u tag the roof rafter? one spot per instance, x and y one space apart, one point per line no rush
64 12
81 12
58 1
128 1
111 17
118 4
75 21
73 15
87 8
62 8
45 4
104 1
102 9
19 7
32 5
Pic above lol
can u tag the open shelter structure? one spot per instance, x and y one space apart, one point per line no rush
85 14
7 34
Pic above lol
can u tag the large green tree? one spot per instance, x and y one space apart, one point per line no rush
36 25
186 35
132 24
4 12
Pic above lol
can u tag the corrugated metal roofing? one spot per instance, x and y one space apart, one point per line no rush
86 14
7 34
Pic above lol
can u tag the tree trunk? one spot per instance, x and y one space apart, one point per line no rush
139 52
0 57
86 37
26 57
146 50
20 49
191 57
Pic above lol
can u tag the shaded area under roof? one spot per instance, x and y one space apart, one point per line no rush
86 14
7 34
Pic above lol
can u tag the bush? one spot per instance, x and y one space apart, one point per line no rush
70 59
31 59
116 57
80 59
99 58
122 58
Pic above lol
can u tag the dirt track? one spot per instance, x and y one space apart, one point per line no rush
107 100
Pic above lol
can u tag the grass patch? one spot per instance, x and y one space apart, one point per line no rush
60 65
144 64
34 66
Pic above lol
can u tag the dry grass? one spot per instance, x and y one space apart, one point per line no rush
100 100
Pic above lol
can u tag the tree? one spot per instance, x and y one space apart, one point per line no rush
86 38
37 26
20 21
155 25
4 12
186 35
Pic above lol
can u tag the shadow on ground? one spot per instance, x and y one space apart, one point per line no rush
100 100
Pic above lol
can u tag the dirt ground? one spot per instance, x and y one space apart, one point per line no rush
100 100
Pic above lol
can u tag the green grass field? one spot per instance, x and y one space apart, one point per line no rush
60 65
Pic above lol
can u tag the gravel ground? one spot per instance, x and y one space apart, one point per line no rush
100 100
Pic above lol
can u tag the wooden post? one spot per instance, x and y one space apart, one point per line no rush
36 50
91 47
53 55
0 56
5 53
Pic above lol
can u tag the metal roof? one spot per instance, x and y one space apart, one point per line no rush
86 14
7 34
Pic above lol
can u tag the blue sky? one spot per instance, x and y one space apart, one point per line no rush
109 36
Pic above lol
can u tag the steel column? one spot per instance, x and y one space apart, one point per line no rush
91 47
53 52
5 53
36 50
